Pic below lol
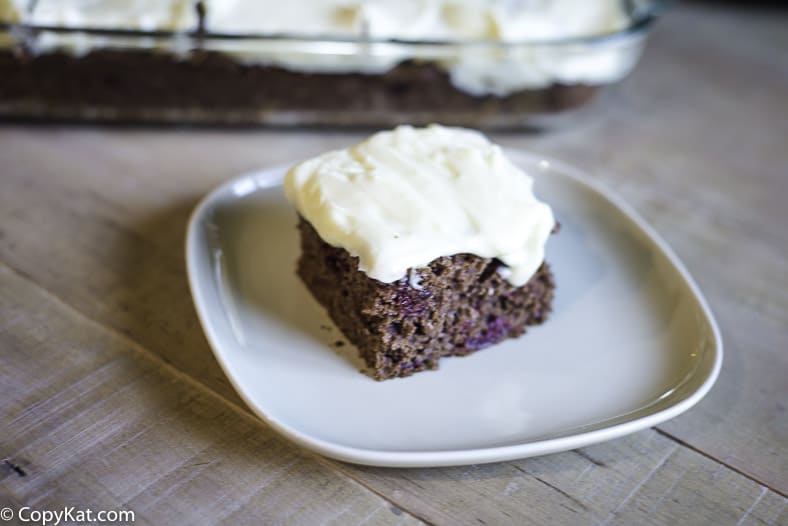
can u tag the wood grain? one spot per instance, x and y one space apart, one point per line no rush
642 479
111 427
707 165
111 396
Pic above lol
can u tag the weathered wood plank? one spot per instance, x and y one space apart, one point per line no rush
706 163
95 422
645 478
112 424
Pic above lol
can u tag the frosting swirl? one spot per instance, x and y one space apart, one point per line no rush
402 198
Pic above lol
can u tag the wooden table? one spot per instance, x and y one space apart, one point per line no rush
111 398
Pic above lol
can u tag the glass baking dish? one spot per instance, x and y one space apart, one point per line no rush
199 76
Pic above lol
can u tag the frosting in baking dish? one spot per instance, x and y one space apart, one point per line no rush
476 69
403 198
146 15
142 15
421 19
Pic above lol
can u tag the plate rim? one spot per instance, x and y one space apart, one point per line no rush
455 457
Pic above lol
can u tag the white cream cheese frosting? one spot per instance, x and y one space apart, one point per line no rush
478 70
402 198
145 15
501 20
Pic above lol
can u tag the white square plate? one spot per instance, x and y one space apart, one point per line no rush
630 343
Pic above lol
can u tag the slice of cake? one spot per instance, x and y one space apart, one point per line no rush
422 243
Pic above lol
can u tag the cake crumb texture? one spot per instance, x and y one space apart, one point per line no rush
462 304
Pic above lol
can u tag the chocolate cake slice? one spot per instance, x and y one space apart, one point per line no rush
422 243
454 306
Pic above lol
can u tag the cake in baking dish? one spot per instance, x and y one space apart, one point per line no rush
362 62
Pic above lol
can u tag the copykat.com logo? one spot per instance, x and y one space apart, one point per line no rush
66 515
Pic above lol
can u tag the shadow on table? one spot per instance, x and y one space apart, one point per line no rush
155 305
